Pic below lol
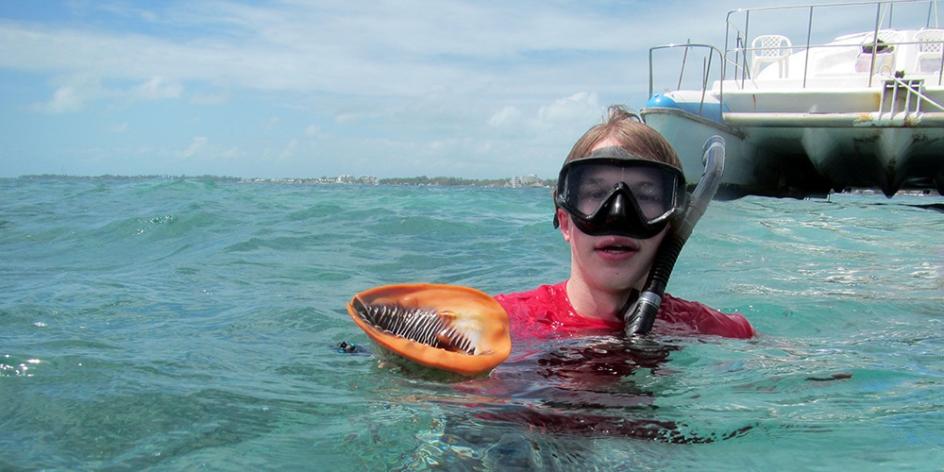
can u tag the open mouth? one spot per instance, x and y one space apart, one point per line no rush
617 246
617 249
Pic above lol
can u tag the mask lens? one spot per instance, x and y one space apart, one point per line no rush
589 186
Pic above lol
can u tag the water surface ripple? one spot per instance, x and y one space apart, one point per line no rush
180 323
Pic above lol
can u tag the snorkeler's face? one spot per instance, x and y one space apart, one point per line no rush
611 262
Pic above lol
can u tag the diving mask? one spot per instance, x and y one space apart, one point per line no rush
611 192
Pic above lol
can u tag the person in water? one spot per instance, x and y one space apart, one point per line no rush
617 194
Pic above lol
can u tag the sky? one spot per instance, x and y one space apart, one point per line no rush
279 89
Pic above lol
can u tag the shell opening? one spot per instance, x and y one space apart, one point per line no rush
423 325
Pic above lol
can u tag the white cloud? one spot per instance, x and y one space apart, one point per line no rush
289 151
403 49
507 116
271 123
313 131
65 99
196 144
71 94
218 98
500 74
400 49
118 128
75 92
157 88
231 153
581 107
395 48
353 117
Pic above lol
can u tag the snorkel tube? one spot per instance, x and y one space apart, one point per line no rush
642 314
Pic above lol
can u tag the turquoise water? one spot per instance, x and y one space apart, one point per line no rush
192 323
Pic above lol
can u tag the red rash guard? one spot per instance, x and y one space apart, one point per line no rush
546 312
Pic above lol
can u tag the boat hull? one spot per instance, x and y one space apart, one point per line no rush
863 110
798 154
747 170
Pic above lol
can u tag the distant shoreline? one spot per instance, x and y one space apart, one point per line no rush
529 181
421 181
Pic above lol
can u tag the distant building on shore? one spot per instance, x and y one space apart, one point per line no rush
529 180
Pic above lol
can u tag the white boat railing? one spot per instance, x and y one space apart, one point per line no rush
706 67
884 13
777 49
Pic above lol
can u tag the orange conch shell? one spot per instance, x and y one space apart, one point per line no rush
447 327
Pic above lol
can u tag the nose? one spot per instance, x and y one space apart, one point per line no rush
619 207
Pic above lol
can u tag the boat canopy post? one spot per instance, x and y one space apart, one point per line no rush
705 70
650 72
738 45
940 71
682 69
931 10
809 35
878 21
737 57
927 24
747 26
724 57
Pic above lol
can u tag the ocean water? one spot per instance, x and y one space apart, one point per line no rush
192 323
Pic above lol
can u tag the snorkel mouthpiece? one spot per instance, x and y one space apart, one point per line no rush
642 314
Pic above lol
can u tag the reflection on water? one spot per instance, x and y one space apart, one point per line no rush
545 407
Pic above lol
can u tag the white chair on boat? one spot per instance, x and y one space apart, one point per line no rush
770 49
930 47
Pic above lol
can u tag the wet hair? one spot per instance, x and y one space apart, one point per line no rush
632 135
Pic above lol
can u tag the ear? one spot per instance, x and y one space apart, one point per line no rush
563 218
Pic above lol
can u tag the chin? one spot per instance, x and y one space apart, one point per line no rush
614 284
